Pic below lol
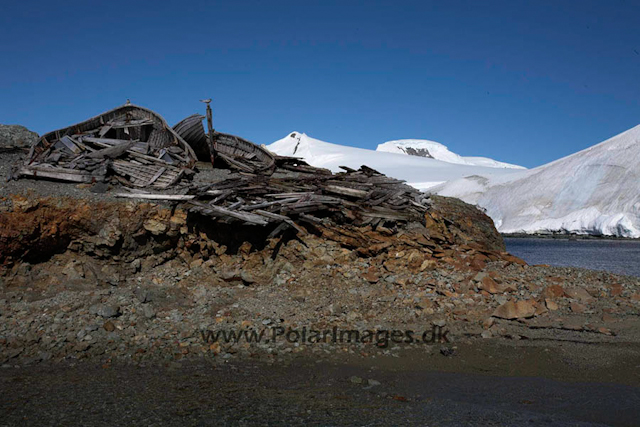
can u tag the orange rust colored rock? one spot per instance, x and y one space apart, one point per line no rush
493 287
489 285
514 259
551 305
414 261
580 294
371 275
394 265
541 309
477 264
55 222
577 307
515 310
553 291
616 290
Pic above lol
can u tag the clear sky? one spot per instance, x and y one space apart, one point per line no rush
525 82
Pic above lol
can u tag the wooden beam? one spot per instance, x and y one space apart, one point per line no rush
147 196
281 218
345 191
54 173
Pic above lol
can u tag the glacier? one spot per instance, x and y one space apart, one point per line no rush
420 172
594 191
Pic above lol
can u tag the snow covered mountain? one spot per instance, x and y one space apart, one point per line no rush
420 172
594 191
435 150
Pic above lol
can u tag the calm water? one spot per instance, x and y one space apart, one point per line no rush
616 256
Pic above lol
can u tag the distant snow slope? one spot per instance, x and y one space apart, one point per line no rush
435 150
419 172
594 191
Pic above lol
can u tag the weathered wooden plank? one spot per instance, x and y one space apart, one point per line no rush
236 163
155 177
39 168
220 211
119 124
301 209
386 215
287 195
236 205
139 147
352 192
147 196
111 152
221 197
279 229
172 179
347 168
214 192
311 218
70 144
63 175
281 218
267 204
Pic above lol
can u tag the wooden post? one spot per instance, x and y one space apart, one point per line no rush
212 145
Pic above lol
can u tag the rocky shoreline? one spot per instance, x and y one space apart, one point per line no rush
564 236
143 286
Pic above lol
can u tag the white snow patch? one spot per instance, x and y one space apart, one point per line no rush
594 191
435 150
419 172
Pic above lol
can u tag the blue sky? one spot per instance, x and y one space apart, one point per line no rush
525 82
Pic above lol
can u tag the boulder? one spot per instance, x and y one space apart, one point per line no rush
579 294
553 291
16 137
515 310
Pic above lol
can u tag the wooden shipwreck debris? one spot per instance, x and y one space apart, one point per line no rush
305 201
236 152
282 193
131 141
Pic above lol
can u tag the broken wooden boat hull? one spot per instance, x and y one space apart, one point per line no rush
235 151
192 131
242 154
132 141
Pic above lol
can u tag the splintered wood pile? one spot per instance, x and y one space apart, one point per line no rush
133 142
310 195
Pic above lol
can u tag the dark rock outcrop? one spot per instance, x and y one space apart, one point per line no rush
13 137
